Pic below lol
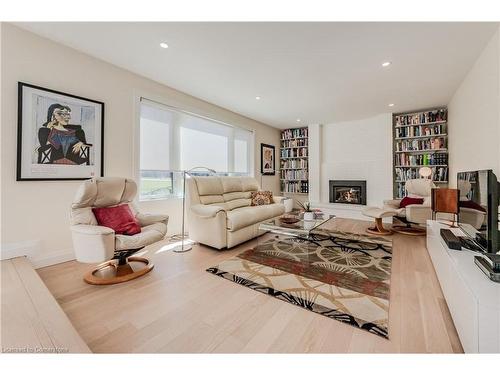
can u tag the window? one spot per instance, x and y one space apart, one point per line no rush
155 136
171 140
243 147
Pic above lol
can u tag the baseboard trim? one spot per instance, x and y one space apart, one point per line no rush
19 249
52 258
33 251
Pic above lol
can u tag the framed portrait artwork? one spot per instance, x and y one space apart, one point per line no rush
267 159
59 136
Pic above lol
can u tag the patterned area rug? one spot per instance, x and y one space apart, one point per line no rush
340 275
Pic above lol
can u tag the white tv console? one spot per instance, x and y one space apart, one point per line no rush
472 298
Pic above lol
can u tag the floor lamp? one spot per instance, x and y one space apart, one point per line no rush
425 172
182 248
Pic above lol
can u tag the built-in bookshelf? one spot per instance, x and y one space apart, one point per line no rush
294 161
420 139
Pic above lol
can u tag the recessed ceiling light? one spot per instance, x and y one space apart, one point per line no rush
391 105
298 120
386 64
163 45
257 98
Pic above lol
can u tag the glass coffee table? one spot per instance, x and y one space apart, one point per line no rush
300 229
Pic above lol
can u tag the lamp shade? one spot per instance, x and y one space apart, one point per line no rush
425 172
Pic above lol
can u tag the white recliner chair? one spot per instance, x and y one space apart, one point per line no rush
414 213
93 243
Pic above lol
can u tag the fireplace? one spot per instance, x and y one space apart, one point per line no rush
348 191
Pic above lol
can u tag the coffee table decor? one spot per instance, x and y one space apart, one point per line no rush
294 225
339 275
289 220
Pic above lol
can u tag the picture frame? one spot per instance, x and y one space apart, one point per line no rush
267 160
60 136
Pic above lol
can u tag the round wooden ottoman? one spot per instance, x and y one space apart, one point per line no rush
378 214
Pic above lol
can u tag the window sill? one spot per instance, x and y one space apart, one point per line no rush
170 198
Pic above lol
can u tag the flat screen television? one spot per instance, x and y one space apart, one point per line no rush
479 206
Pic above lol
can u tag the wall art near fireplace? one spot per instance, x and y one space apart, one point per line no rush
59 137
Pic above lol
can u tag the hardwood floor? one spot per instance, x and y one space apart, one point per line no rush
179 307
32 321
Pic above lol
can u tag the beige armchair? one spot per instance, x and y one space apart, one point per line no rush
414 213
220 213
93 243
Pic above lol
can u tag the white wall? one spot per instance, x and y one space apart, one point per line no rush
36 214
358 150
315 155
474 116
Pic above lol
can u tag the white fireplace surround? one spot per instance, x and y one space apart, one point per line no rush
351 150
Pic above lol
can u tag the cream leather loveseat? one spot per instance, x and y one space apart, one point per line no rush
220 213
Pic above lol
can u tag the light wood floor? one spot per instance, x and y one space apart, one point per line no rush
179 307
32 321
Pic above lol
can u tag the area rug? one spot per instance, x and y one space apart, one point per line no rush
339 275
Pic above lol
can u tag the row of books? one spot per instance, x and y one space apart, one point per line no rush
469 176
294 163
440 173
421 159
300 174
295 186
420 131
420 144
293 152
400 190
294 133
422 117
294 143
405 174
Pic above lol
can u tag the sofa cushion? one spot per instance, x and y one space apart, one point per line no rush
237 195
209 185
245 216
231 184
249 184
237 203
211 199
149 234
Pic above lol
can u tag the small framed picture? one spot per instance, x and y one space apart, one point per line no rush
60 136
267 159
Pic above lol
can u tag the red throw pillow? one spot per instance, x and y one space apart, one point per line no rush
471 204
118 218
406 201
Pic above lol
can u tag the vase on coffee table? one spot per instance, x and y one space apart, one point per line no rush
308 216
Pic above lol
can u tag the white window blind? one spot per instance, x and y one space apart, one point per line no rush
155 146
172 140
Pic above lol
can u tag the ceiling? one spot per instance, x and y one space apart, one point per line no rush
318 72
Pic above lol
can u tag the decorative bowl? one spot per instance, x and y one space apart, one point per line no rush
289 220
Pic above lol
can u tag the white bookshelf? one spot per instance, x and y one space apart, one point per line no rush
420 139
294 161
